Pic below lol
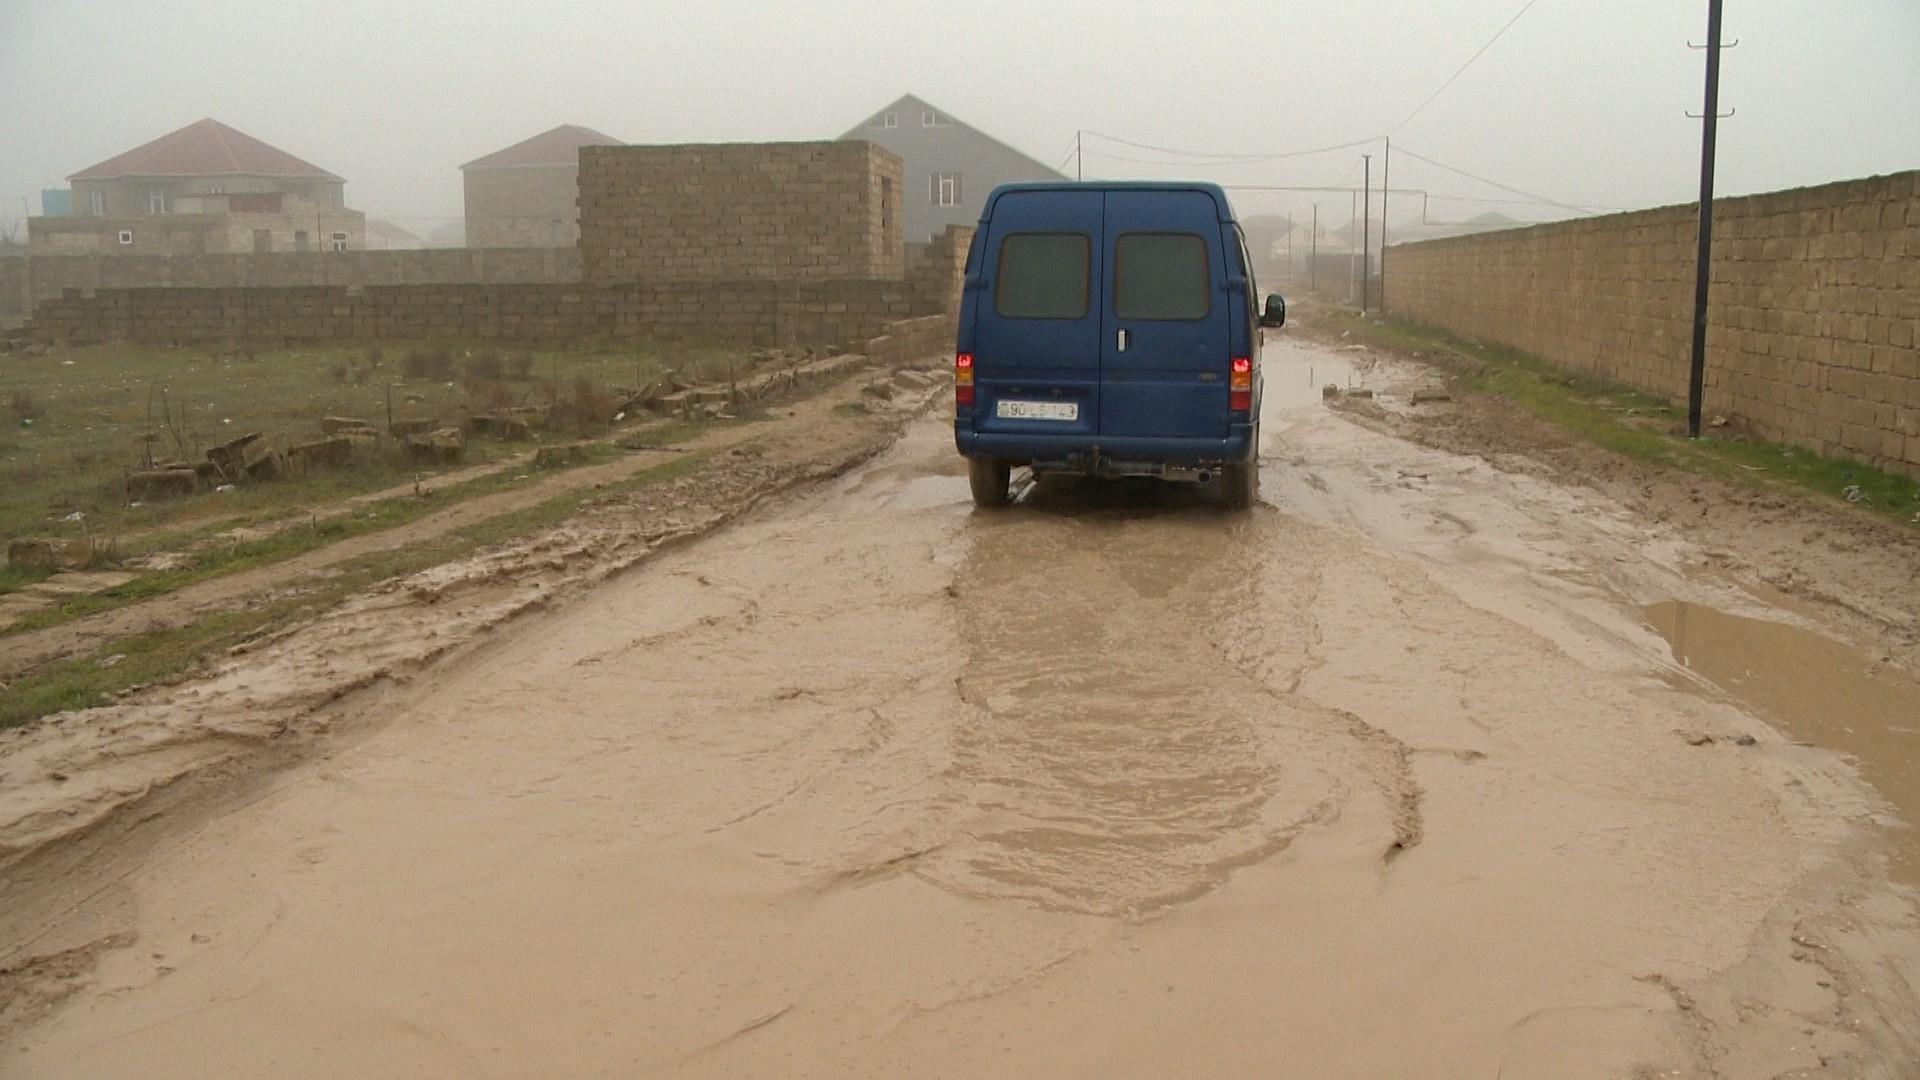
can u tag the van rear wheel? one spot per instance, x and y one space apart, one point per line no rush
1240 484
989 478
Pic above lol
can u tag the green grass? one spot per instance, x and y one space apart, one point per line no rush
293 540
1635 424
73 421
19 577
145 658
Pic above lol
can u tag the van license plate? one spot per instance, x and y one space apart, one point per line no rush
1038 410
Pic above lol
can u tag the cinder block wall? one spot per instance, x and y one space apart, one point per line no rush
16 291
1813 318
785 211
53 275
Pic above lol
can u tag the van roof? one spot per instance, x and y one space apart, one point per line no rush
1213 191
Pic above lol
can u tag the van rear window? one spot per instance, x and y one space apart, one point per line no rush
1043 276
1161 276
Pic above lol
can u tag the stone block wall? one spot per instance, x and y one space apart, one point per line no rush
1813 315
779 211
737 312
16 292
53 275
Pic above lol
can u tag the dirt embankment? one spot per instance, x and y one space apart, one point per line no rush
76 772
1788 546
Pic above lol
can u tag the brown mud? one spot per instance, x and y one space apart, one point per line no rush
1388 777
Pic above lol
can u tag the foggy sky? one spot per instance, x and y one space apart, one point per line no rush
1581 102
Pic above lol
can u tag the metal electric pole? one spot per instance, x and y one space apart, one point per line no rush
1386 188
1703 264
1366 229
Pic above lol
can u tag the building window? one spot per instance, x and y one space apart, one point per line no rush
928 118
338 241
97 203
126 236
891 120
944 189
156 203
216 189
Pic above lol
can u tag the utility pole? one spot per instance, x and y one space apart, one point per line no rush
1703 263
1313 250
1353 226
1386 189
1366 230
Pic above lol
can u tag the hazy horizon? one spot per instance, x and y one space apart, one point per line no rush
1580 107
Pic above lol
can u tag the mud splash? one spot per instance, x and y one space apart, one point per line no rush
1816 688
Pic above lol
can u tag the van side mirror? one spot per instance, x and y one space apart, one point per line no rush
1276 311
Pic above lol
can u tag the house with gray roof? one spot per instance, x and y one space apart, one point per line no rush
950 165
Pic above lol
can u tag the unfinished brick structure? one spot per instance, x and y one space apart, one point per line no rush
738 311
1814 320
782 211
787 243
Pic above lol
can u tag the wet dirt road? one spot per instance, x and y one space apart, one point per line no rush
1390 777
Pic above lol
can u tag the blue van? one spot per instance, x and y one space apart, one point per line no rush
1110 329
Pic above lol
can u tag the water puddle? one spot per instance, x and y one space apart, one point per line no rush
1815 688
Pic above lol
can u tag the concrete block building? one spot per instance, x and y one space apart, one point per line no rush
204 189
777 211
527 195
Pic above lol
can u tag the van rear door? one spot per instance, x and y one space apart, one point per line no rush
1163 339
1036 328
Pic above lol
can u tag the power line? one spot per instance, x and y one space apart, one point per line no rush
1524 8
1495 183
1227 158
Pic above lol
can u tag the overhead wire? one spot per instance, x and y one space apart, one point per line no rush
1524 8
1495 183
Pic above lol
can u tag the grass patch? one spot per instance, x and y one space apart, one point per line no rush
1635 424
291 541
19 577
90 681
75 420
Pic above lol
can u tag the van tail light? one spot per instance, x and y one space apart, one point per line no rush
1240 385
963 380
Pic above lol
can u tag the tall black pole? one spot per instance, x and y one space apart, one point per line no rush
1313 251
1703 264
1366 230
1386 188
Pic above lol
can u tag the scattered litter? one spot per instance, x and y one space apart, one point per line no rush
75 516
66 363
109 661
223 489
1718 421
1853 493
619 416
1745 740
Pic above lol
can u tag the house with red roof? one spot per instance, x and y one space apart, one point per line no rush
204 189
527 195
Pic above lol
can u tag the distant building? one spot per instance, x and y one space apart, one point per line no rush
386 236
950 166
527 195
203 189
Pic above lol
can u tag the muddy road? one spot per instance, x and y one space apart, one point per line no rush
1394 776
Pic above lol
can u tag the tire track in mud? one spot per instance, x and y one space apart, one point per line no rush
1133 731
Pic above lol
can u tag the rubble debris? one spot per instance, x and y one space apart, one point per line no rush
162 483
443 444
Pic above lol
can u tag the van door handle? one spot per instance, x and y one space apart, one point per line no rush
1121 342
